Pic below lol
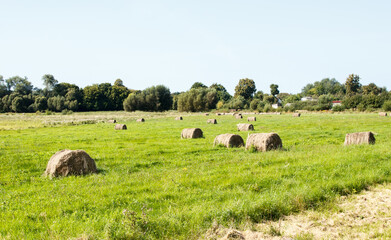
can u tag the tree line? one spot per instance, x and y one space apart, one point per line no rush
17 94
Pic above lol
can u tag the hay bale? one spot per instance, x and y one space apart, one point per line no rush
140 120
191 133
382 114
218 114
112 121
245 127
297 114
68 162
251 119
359 138
212 121
179 118
238 116
229 140
206 114
264 141
120 127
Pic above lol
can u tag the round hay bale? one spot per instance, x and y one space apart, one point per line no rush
229 140
179 118
245 127
238 116
264 141
120 127
206 114
212 121
68 162
296 114
140 120
251 119
191 133
360 138
218 114
382 114
112 121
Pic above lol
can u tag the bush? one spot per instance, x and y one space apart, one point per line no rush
387 105
338 108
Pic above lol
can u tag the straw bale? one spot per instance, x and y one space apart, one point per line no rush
112 121
206 114
238 116
245 127
251 119
297 114
218 114
264 141
212 121
360 138
229 140
140 120
191 133
120 127
68 162
383 114
179 118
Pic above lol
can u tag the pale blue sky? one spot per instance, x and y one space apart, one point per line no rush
176 43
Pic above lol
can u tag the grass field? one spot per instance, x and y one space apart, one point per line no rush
152 184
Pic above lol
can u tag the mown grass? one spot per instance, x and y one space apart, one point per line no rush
152 184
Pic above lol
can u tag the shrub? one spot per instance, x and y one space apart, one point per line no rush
387 105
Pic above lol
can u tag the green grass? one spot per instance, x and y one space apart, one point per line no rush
152 184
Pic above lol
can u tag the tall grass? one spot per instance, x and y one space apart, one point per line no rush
152 184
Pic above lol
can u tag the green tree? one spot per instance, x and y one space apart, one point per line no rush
371 89
119 83
245 88
274 90
198 85
352 84
49 82
197 99
222 93
3 87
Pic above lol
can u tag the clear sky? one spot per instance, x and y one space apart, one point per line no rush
177 42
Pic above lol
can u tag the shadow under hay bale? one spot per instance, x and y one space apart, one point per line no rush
251 119
191 133
120 127
296 114
360 138
140 120
179 118
264 141
229 140
382 114
68 162
245 127
212 121
112 121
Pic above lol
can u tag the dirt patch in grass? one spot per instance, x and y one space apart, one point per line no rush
363 216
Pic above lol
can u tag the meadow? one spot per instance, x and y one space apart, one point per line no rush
154 185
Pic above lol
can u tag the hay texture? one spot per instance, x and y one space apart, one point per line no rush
245 127
251 119
238 116
179 118
359 138
229 140
140 120
296 114
191 133
68 162
112 121
264 141
120 127
211 121
382 114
